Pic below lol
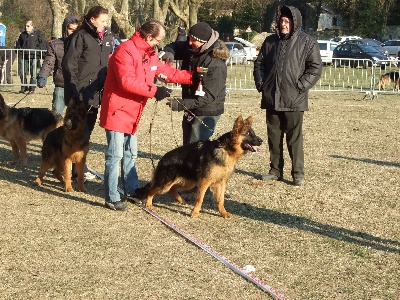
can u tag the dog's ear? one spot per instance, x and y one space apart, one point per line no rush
249 121
237 127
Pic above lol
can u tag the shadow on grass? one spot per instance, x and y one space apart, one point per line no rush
300 223
237 208
369 161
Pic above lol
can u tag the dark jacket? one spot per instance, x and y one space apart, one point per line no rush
287 67
85 63
212 55
54 55
33 40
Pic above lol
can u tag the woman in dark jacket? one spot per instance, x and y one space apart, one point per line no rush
287 67
202 49
85 61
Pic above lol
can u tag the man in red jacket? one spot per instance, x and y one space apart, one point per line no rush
129 84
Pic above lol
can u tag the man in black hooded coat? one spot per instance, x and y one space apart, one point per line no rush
287 67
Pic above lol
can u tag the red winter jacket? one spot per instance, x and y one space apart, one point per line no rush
130 82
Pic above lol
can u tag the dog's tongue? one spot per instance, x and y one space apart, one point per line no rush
253 148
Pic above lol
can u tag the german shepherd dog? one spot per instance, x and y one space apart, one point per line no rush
202 165
21 125
66 145
387 79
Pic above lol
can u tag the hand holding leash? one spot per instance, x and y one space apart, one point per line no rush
41 81
175 104
162 92
168 57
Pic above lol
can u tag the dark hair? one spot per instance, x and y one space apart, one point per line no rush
95 12
150 28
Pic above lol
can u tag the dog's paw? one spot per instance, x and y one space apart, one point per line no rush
69 189
38 181
149 206
194 214
227 215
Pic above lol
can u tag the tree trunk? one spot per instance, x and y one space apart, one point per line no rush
59 10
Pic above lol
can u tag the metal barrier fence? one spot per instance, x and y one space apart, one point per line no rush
350 75
19 67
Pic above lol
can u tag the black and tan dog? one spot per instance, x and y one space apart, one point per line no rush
202 165
387 79
66 145
21 125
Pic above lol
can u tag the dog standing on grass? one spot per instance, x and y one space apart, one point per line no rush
66 145
21 125
202 165
387 79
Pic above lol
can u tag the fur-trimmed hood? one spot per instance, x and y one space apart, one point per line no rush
217 46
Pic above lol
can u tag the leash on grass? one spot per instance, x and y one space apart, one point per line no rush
221 258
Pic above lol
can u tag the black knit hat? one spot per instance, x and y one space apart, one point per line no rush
201 32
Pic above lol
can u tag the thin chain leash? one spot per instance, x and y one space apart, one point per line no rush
214 133
20 100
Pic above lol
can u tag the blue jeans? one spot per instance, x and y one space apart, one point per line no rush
194 130
58 100
121 147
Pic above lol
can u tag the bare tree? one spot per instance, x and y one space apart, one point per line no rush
59 10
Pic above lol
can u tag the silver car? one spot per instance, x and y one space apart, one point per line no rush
392 47
237 54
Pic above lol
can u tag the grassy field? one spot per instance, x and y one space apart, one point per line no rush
337 237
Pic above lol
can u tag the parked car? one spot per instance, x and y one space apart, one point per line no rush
326 50
367 42
392 47
370 56
341 39
250 48
237 53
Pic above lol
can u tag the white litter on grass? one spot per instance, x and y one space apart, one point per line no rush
249 269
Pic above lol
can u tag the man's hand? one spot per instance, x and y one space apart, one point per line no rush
168 57
162 92
175 105
41 81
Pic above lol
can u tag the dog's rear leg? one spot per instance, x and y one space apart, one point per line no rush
201 190
219 193
67 175
43 169
178 197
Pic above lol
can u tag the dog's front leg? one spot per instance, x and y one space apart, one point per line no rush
201 190
67 175
79 166
21 145
219 193
15 152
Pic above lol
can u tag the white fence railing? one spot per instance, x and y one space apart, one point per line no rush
352 75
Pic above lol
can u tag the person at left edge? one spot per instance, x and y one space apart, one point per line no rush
129 84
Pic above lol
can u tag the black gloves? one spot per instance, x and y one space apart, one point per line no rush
168 57
259 86
41 81
162 92
175 105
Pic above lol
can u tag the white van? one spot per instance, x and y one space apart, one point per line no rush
326 50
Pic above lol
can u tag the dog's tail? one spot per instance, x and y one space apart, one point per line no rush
141 193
